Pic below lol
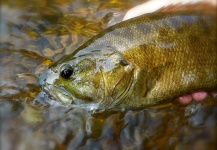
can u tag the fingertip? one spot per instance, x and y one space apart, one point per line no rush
184 100
199 96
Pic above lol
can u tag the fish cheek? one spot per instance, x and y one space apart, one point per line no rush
84 85
79 91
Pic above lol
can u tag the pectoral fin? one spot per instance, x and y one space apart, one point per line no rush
154 75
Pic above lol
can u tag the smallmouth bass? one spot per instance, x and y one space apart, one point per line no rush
141 62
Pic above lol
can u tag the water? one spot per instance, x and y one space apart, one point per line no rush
36 33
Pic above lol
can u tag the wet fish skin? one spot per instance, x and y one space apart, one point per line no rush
140 62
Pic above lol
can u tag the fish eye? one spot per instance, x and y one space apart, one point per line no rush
66 71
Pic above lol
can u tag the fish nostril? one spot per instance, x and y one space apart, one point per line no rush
41 80
47 78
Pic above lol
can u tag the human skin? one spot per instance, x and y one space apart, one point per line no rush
154 5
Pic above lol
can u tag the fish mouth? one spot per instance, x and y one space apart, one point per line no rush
61 94
58 94
64 97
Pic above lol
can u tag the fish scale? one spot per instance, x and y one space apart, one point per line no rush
144 61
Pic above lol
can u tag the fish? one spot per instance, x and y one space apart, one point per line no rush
138 63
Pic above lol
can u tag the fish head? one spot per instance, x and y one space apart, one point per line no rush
94 80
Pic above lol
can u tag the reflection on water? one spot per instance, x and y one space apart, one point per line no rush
55 128
36 31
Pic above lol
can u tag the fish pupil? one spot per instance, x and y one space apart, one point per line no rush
66 72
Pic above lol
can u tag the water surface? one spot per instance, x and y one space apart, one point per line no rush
37 32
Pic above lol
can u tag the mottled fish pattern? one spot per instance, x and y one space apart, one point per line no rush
141 62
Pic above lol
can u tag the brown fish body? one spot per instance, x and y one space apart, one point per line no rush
142 62
182 58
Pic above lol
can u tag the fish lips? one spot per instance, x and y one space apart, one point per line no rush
47 80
